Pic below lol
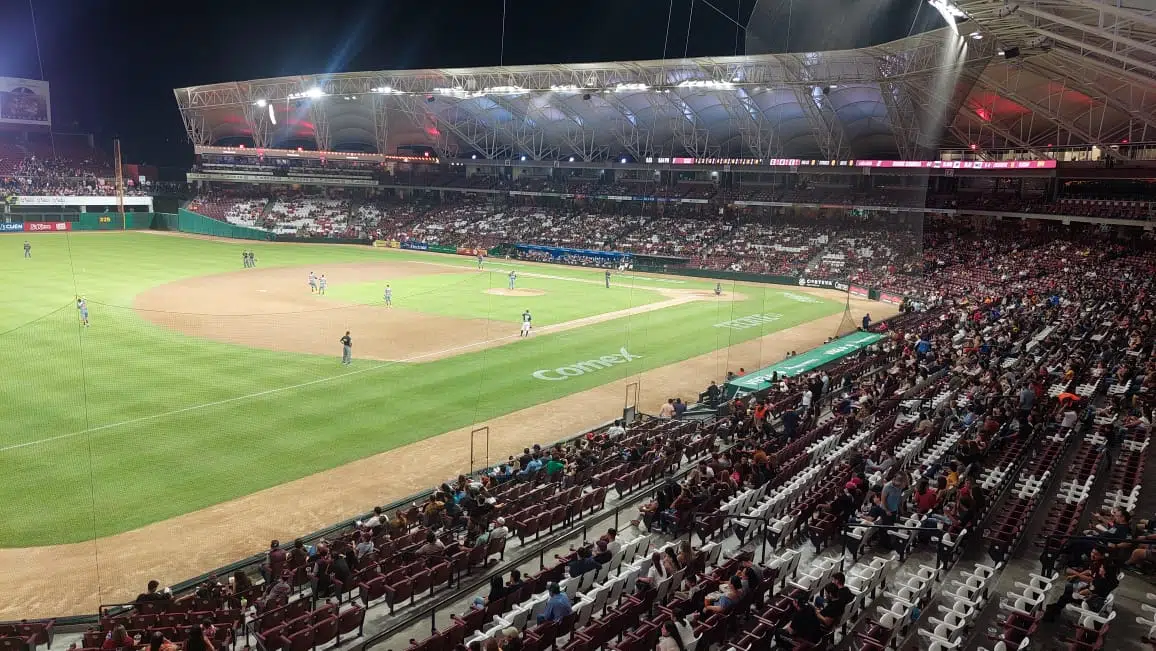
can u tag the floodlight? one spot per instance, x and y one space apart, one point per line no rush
623 160
260 103
314 92
949 11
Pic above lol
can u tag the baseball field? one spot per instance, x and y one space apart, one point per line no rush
204 392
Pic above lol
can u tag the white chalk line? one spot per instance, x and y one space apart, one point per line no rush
559 327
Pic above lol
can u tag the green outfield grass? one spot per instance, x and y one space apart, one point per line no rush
125 423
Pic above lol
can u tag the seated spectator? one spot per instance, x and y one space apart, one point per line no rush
117 638
583 563
1092 585
498 590
557 606
432 546
278 591
159 642
197 641
729 595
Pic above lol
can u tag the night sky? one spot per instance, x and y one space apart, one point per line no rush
113 63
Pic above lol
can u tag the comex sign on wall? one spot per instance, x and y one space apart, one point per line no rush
588 366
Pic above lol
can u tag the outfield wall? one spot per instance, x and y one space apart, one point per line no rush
186 221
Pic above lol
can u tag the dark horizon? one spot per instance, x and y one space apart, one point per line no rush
112 64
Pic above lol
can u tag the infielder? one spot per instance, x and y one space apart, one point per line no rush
526 318
312 283
718 289
388 296
513 277
28 249
82 307
479 261
321 285
252 259
607 279
346 349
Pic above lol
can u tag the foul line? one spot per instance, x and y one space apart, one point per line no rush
558 327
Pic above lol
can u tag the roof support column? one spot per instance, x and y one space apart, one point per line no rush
320 118
380 123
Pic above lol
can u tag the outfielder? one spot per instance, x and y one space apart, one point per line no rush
526 318
82 307
718 289
312 283
513 277
607 279
321 285
479 260
28 249
388 296
346 349
245 259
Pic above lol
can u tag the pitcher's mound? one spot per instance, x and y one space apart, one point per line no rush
515 292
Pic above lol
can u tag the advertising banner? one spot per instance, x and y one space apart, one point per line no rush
803 362
442 248
411 245
25 101
468 251
25 200
888 297
861 292
12 228
387 244
824 283
47 227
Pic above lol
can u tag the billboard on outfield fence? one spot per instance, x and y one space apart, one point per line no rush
888 297
47 227
25 101
862 292
17 227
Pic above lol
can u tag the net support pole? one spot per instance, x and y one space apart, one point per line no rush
484 431
119 183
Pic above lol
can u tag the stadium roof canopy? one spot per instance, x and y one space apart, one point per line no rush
1085 74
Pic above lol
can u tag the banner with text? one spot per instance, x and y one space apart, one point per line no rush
888 297
823 283
18 227
861 292
47 227
802 362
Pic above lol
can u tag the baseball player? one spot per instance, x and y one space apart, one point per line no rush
513 277
252 259
388 296
28 249
718 289
346 349
526 318
312 283
82 307
321 285
607 279
479 260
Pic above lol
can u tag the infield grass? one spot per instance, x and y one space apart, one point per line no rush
115 426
